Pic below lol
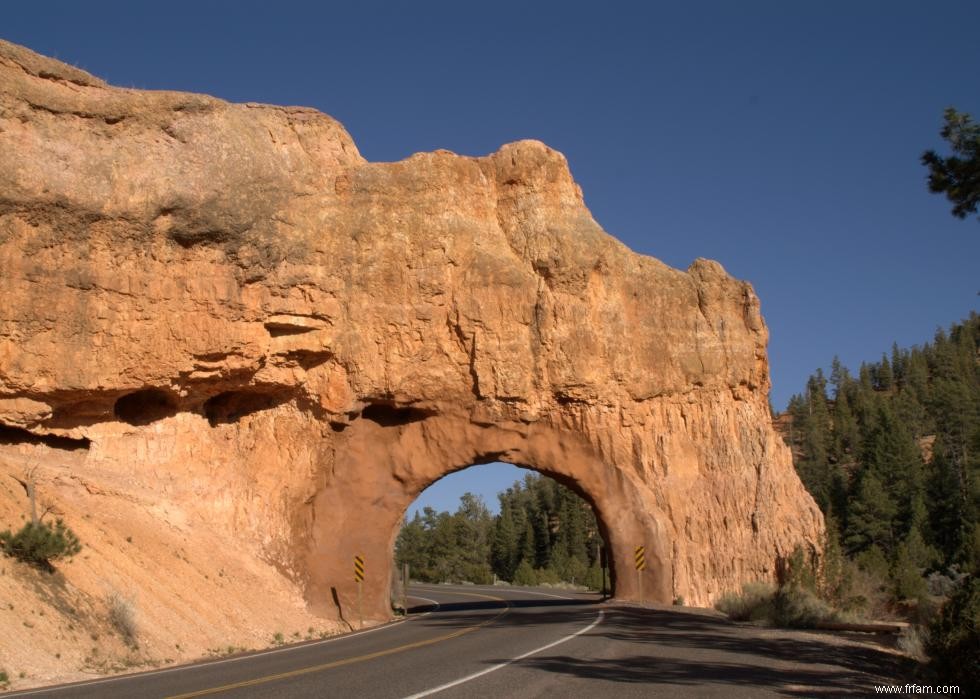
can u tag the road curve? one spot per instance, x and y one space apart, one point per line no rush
466 641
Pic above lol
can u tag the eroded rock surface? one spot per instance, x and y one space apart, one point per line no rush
227 306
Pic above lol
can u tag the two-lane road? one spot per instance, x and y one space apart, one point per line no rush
514 642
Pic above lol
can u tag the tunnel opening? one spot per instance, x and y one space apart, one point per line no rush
511 526
145 406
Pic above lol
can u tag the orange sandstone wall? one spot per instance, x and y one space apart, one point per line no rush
228 309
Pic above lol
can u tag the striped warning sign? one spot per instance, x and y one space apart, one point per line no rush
641 561
358 569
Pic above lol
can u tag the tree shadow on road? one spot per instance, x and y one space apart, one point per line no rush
652 670
638 645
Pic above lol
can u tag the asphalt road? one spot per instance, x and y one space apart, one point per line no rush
467 641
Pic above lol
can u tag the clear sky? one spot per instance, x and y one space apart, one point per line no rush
781 138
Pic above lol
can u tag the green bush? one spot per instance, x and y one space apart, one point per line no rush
799 608
4 679
525 575
546 576
40 543
593 579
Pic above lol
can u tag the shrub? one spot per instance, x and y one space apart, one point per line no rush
40 543
122 615
912 641
546 576
906 576
799 608
800 571
4 679
478 573
867 593
943 584
753 604
789 606
525 575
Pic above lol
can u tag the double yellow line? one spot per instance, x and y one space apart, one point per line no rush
356 659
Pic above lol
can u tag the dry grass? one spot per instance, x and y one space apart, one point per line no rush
787 607
122 615
754 603
912 642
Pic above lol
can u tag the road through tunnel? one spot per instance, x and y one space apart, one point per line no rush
497 524
382 467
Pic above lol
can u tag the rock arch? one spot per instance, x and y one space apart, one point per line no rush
237 313
401 461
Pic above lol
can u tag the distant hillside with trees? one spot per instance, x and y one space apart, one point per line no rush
544 533
892 457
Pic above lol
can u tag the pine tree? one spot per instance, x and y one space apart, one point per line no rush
504 548
948 516
900 515
958 175
884 375
870 517
839 377
410 545
898 365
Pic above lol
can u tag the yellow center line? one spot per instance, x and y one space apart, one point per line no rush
356 659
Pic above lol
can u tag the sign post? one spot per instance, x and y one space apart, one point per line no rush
359 578
602 567
641 563
405 588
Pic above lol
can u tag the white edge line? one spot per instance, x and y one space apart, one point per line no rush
424 599
488 670
210 663
206 663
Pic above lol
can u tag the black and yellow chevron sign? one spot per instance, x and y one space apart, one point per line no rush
358 569
641 561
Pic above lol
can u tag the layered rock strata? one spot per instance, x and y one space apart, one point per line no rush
226 306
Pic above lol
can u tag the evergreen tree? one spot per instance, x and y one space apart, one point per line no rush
839 377
949 516
410 546
958 175
846 435
893 457
544 532
871 513
504 548
896 458
884 375
898 365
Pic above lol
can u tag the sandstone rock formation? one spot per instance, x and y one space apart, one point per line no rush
225 306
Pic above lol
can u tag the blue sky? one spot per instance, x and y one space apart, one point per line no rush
780 138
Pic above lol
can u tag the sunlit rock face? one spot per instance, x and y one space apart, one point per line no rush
227 307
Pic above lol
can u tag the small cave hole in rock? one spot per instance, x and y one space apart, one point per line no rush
231 406
388 415
282 329
17 435
145 406
497 522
